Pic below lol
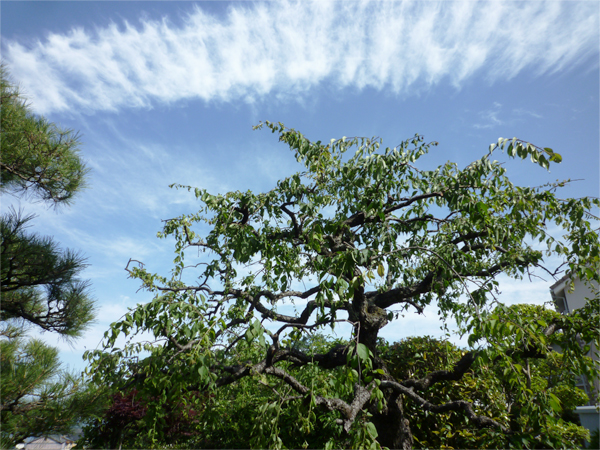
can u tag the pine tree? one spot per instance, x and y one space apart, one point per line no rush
39 281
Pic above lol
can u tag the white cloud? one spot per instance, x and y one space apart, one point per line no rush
282 49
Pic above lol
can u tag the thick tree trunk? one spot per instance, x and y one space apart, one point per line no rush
393 428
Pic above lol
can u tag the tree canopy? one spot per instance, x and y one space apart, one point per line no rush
40 284
361 236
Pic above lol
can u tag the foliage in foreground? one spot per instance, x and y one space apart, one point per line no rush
364 239
244 414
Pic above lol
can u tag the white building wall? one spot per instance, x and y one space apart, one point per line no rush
569 297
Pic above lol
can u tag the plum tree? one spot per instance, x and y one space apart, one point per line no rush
362 238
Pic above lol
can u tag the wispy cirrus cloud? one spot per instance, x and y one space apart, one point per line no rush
283 49
494 116
489 117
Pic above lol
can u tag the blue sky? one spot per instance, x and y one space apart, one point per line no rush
168 92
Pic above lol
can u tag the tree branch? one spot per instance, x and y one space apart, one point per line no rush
455 374
456 405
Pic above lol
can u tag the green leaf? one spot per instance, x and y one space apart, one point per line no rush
372 430
554 403
203 372
362 351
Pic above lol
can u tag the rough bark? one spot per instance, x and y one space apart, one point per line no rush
392 427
